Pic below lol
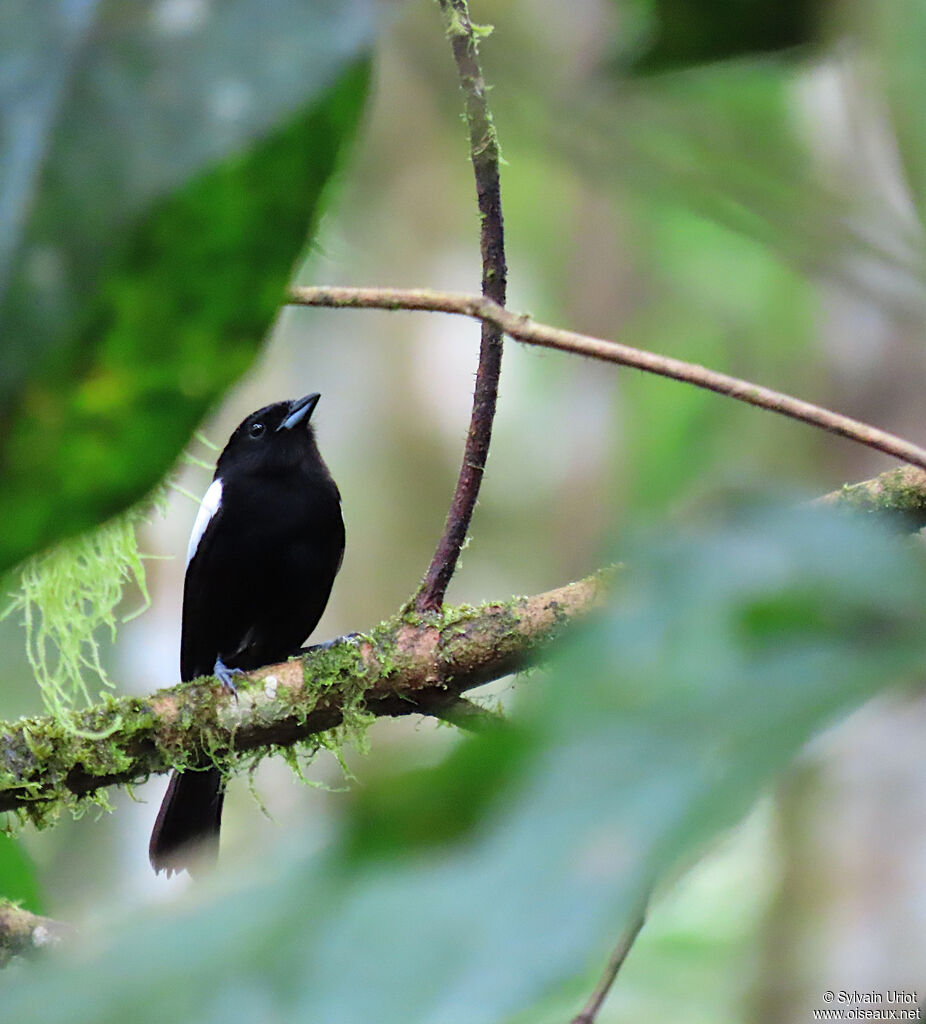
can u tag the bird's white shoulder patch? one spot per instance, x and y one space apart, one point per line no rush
211 503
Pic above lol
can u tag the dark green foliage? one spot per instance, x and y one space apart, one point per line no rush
17 875
163 166
433 807
685 33
179 312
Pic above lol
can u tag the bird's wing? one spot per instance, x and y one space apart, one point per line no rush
208 507
198 642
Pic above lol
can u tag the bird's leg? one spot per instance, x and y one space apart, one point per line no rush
349 638
224 675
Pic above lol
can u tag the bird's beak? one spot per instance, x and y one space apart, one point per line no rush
300 409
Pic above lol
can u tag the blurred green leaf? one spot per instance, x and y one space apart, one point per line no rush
724 301
735 143
163 164
659 725
437 806
17 875
724 142
897 34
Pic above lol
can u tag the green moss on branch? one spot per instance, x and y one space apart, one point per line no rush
404 666
899 494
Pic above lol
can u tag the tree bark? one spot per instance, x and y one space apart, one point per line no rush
22 932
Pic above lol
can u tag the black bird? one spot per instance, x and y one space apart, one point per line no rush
265 548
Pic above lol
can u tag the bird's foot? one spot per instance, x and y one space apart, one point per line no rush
224 675
350 638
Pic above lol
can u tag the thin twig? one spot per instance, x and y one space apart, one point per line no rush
621 951
522 328
483 145
466 715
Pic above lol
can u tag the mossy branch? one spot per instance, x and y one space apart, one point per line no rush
23 933
412 663
899 495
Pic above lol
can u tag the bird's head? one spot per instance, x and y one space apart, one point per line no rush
272 439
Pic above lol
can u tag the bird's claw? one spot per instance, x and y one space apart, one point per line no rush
224 675
350 638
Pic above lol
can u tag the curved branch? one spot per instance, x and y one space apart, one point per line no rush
483 146
524 329
407 665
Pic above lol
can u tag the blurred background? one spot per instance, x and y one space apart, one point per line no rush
756 213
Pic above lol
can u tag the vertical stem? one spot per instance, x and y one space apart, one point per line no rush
483 144
615 963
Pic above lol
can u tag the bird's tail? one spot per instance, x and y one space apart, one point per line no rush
186 832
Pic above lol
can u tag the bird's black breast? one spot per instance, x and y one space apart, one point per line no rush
260 577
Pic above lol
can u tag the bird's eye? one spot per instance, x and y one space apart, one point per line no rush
256 429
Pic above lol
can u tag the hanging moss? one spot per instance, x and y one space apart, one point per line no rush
68 597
